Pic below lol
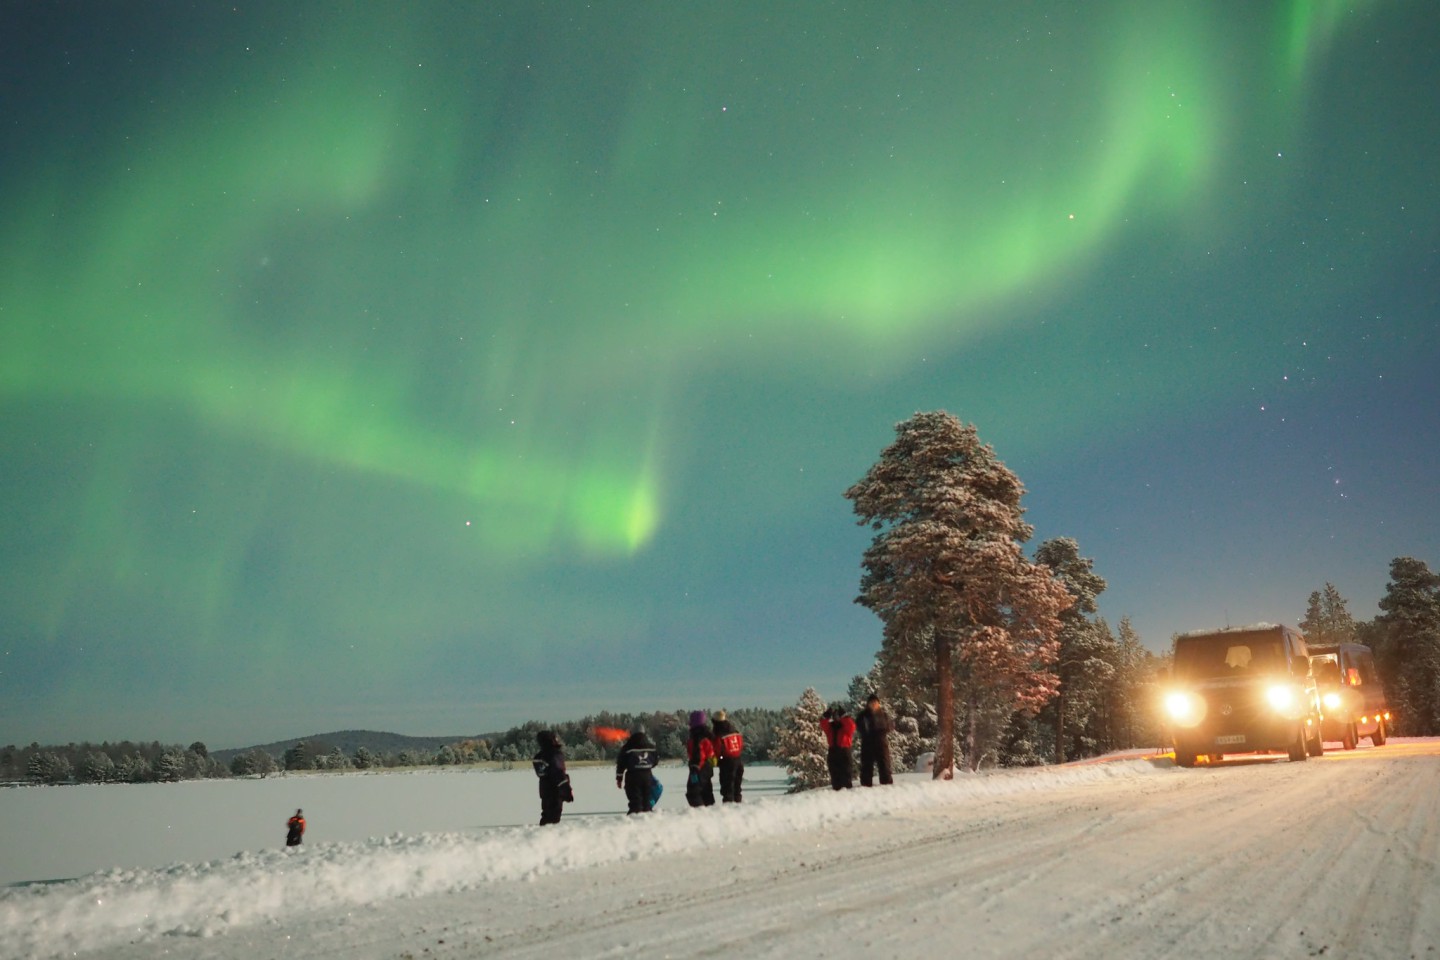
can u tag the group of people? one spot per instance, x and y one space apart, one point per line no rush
711 748
873 725
708 748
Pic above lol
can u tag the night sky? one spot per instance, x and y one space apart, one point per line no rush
436 366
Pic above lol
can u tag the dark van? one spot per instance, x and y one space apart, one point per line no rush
1242 690
1351 696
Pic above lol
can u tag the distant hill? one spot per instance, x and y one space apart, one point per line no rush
349 741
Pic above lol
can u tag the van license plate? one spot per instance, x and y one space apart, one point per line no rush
1231 738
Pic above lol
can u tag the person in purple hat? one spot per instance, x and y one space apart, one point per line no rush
700 750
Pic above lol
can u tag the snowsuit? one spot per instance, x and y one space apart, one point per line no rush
729 744
700 749
840 734
635 771
554 781
874 726
294 830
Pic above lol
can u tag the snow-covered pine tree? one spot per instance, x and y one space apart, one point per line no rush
298 757
1326 621
170 767
133 769
1133 718
48 767
1082 663
801 746
97 767
1406 637
945 570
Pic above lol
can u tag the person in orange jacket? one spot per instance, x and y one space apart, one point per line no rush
839 729
700 751
295 829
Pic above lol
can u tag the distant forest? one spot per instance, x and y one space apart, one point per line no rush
592 738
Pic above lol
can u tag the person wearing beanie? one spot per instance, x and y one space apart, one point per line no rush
700 751
839 730
555 789
729 744
874 726
295 829
635 772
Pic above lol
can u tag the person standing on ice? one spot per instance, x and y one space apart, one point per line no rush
729 744
839 730
700 750
874 726
295 829
635 772
555 789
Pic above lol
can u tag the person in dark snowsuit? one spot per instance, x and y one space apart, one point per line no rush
874 726
839 730
555 789
295 829
700 751
635 771
729 744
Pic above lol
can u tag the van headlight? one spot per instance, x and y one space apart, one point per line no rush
1184 709
1283 699
1331 700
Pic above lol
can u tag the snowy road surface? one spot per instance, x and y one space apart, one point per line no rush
1338 857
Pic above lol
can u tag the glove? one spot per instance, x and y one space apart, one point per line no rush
619 782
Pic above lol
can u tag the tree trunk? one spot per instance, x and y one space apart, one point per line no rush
944 708
972 731
1060 724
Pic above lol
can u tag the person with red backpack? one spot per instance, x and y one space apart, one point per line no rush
700 750
839 729
729 744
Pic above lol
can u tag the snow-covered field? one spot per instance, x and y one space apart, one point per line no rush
1338 856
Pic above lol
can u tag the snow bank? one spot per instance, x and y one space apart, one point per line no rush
207 899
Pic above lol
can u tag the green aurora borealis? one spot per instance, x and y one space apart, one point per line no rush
437 366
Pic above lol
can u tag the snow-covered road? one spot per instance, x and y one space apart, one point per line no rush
1338 856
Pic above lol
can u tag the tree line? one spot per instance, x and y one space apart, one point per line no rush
123 762
590 738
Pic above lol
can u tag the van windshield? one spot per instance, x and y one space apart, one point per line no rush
1218 656
1327 670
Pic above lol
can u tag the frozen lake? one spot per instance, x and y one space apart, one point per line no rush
55 833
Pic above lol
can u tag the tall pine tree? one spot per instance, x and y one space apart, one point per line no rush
1406 637
946 575
1086 651
1326 621
1133 722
